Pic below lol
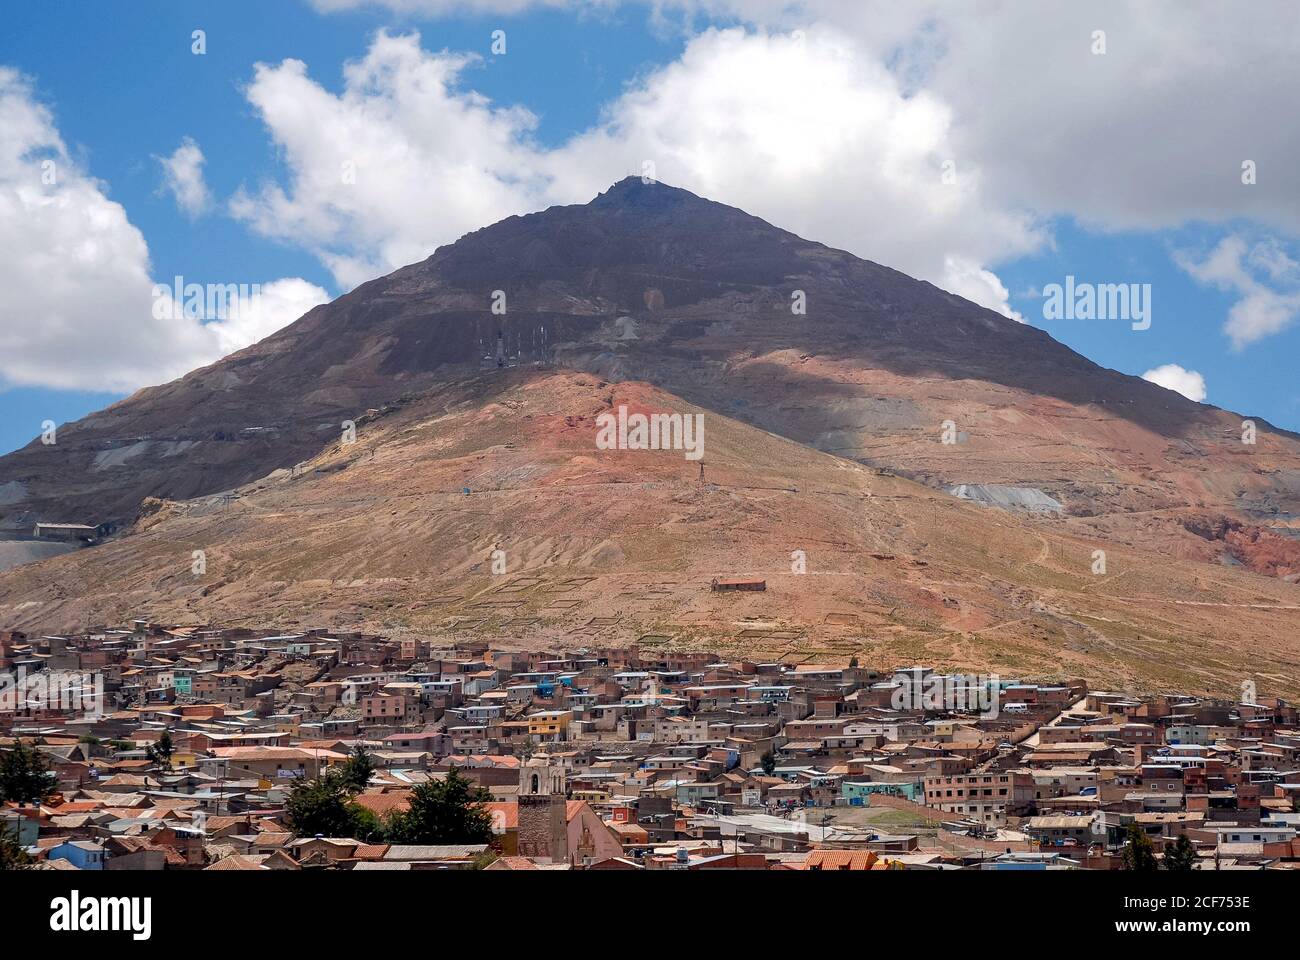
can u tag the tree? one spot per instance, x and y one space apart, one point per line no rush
1139 851
1180 855
24 775
319 806
12 855
365 825
323 805
451 810
768 763
160 752
357 769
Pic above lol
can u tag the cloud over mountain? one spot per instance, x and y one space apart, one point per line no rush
797 128
1173 377
1138 117
78 311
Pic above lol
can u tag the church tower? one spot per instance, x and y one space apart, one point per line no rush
543 823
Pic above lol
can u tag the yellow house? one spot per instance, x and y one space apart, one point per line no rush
943 729
549 724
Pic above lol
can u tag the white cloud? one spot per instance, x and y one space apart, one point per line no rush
183 178
236 315
802 132
277 304
1151 134
982 286
77 307
1173 377
838 139
1235 265
398 163
1270 256
810 135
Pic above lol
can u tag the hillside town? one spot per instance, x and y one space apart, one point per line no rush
184 748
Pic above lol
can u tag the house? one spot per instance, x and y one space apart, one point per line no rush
436 743
66 532
82 854
859 792
391 708
277 860
986 797
459 856
1062 831
324 850
22 826
840 860
268 763
738 584
549 725
530 863
138 853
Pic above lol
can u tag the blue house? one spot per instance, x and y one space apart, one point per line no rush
82 854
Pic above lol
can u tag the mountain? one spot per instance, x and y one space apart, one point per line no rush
823 434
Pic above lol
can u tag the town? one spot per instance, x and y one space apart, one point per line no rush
182 748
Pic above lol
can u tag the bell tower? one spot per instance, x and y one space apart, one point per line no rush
543 806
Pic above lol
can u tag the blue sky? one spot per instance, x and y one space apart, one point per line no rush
122 90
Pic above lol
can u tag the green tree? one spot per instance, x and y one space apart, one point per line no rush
451 810
1180 855
319 805
768 763
1139 851
365 825
161 750
357 769
24 775
12 856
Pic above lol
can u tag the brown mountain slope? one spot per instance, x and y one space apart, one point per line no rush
617 545
651 283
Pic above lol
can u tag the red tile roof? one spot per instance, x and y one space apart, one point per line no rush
382 804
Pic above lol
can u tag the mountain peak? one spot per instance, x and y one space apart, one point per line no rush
639 193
